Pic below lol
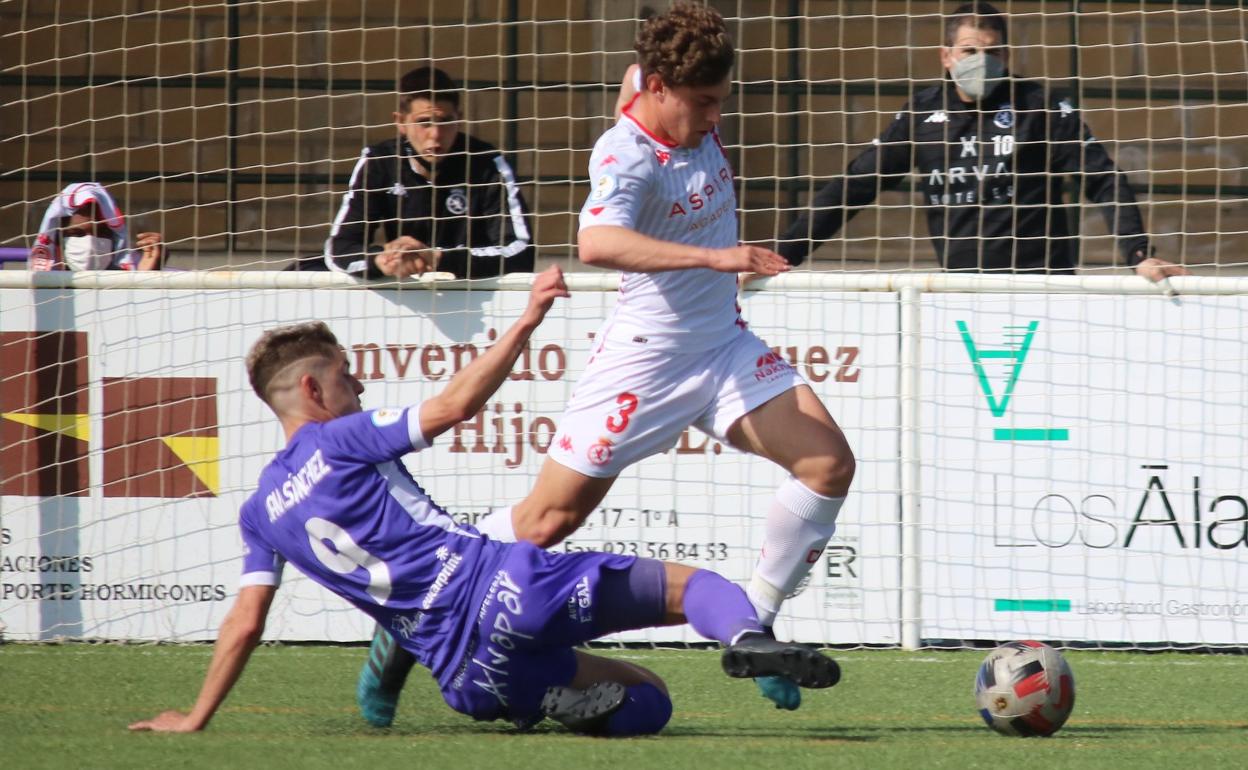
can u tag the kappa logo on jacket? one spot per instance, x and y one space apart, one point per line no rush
457 201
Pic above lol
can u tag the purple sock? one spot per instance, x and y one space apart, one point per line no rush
645 712
718 609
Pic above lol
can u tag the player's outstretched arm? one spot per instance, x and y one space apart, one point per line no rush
240 633
619 248
475 383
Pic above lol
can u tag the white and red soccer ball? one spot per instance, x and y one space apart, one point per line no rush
1025 688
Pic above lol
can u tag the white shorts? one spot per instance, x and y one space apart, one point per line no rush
632 402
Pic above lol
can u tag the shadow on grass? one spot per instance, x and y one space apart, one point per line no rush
413 727
1095 730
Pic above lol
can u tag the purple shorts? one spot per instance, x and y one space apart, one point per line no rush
537 606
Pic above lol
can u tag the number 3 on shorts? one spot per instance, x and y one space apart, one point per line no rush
617 422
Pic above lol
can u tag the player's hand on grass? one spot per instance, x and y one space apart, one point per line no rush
166 722
546 287
748 259
1155 269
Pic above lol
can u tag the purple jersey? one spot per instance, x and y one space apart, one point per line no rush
338 504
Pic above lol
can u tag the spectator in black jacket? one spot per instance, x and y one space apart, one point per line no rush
444 201
992 151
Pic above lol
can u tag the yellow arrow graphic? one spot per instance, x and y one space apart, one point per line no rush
200 453
73 425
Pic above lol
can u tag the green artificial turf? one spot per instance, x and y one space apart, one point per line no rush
67 706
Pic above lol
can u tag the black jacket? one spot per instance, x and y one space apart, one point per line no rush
473 212
992 177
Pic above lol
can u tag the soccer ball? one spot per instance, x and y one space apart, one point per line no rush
1025 688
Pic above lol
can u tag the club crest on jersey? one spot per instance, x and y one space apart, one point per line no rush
384 417
457 201
600 453
1004 118
607 161
603 187
663 155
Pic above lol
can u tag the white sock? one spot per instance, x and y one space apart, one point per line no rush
799 524
496 525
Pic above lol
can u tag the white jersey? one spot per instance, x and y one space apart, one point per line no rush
671 194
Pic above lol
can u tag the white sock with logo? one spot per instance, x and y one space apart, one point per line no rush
496 525
799 524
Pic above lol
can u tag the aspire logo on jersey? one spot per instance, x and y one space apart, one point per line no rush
697 201
159 434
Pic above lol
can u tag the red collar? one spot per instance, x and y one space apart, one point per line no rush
645 130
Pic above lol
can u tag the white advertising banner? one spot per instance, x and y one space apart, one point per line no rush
132 436
1083 468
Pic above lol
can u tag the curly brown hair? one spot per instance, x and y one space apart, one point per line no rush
278 348
687 46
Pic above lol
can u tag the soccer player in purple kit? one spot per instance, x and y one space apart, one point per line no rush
494 622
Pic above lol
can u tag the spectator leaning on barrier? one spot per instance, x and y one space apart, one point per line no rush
84 229
444 200
992 152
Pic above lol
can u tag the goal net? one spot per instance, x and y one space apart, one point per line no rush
1031 461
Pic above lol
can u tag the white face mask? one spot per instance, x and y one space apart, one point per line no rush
978 74
87 252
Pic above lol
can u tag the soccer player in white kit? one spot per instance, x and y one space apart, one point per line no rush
675 351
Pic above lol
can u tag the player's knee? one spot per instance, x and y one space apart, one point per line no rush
546 528
829 475
646 711
657 712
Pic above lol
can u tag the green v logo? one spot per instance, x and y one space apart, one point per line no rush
1014 354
